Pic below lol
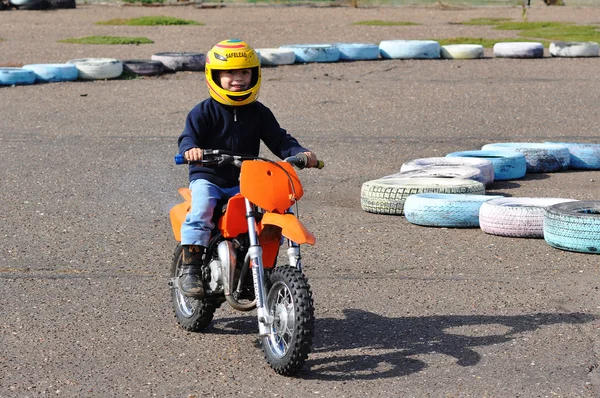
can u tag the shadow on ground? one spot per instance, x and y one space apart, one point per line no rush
385 346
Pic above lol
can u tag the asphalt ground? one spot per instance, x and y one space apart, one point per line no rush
402 310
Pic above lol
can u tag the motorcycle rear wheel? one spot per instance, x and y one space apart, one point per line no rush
192 314
289 301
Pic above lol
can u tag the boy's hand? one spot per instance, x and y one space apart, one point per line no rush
312 159
194 155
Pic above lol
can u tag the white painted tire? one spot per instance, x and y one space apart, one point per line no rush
181 61
387 195
358 51
461 51
53 72
487 170
574 49
519 50
276 56
540 157
445 210
16 76
314 52
97 68
466 172
508 165
409 49
584 156
515 217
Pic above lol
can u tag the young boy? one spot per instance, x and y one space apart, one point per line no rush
230 119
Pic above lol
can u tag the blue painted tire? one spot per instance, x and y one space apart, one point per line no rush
508 165
53 72
15 76
444 210
314 52
540 157
358 51
487 170
409 49
519 50
573 226
583 156
516 217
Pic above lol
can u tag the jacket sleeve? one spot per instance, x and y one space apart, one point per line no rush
277 139
194 130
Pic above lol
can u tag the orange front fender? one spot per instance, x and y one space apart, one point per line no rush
290 226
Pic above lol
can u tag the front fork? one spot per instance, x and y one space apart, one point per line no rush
265 320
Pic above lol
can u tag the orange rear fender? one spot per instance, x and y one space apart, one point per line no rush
290 226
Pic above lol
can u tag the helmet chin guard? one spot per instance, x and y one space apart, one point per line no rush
229 55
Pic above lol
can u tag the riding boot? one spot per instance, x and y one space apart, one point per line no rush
190 281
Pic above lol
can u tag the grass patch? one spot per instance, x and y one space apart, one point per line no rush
486 21
108 40
565 33
544 31
486 43
149 21
377 22
529 25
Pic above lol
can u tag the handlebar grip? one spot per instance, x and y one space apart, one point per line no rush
179 159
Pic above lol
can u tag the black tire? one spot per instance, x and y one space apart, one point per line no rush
192 315
66 4
143 67
287 348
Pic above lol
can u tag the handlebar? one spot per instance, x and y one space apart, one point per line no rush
222 157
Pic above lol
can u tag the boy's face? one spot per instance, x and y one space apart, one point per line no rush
235 80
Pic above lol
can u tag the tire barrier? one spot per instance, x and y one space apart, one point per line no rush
16 76
445 210
461 51
508 165
574 49
276 56
314 52
181 61
358 51
573 226
143 67
46 73
387 196
540 157
515 217
97 68
487 170
466 172
582 156
409 49
519 50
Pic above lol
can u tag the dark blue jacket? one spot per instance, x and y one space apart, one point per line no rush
211 125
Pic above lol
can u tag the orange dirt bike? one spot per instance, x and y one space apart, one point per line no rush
240 265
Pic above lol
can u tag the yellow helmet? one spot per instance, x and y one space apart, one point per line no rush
229 55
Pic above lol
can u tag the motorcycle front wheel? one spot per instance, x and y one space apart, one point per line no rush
289 301
192 314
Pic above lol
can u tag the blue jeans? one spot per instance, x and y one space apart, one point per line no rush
198 223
